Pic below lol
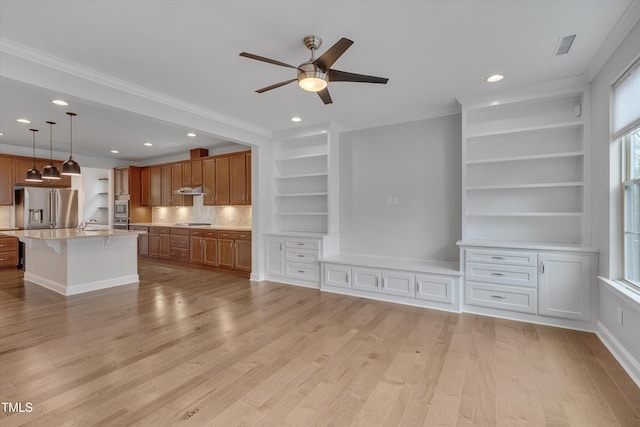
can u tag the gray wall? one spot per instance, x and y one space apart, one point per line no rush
419 164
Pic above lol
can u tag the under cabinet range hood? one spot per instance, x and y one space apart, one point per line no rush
192 191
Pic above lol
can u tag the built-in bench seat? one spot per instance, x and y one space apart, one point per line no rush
424 283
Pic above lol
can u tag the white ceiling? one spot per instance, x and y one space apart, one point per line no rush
141 71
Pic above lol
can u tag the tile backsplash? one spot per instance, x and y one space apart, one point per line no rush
6 216
216 215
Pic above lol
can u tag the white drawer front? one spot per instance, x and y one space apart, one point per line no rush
366 279
502 274
501 297
302 271
435 288
395 283
498 256
301 255
302 244
336 275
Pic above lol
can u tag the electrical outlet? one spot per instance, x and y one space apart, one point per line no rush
389 201
394 200
620 317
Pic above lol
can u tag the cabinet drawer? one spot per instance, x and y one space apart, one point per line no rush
435 288
337 275
8 259
139 228
502 274
179 241
204 233
180 231
302 271
8 244
301 255
498 256
235 235
179 254
159 230
501 297
302 244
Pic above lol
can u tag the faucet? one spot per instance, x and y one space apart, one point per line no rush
83 224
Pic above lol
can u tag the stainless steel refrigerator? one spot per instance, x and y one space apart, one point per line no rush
46 208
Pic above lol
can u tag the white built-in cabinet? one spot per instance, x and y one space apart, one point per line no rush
525 235
301 184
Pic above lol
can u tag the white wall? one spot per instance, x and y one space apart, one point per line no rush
606 212
419 164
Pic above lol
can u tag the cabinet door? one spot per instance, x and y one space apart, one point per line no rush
243 255
186 174
336 275
396 283
209 182
222 181
165 188
164 246
154 245
155 187
237 180
20 167
226 253
143 244
145 186
176 184
366 279
565 286
117 181
435 288
275 257
196 172
6 181
196 249
248 185
210 254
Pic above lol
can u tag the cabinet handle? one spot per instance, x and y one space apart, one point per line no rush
301 271
300 256
497 296
300 244
497 257
497 274
541 267
376 282
280 247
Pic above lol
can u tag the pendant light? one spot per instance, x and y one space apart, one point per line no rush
33 174
50 171
70 167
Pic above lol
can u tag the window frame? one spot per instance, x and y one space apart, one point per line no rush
628 181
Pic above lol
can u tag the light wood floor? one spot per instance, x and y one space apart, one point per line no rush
194 347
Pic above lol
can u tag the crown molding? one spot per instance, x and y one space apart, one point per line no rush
625 24
18 50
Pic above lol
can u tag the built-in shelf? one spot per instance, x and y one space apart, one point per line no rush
302 157
527 157
524 214
302 195
526 186
525 129
302 175
301 213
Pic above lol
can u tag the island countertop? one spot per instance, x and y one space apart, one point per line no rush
198 226
69 233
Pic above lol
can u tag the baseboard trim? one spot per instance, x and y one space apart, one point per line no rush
626 359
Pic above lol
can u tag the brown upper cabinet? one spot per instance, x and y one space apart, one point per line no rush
192 173
165 188
22 164
6 181
121 181
177 174
227 179
222 181
239 178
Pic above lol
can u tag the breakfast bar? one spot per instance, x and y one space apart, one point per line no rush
70 261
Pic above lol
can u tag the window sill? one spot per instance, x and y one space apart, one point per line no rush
623 290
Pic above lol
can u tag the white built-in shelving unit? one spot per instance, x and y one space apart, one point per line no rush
524 165
301 184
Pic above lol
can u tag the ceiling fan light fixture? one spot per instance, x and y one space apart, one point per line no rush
311 78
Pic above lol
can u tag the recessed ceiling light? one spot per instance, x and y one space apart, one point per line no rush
115 151
296 119
23 121
191 134
1 133
494 78
59 102
148 144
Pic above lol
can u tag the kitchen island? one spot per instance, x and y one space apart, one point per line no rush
69 261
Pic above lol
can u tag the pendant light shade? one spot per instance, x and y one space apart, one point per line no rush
33 174
50 171
70 167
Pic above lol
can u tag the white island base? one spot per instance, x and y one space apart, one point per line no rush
71 262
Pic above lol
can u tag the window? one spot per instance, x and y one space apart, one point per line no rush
626 130
631 201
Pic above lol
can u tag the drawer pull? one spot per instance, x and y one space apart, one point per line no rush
497 274
497 257
301 271
300 256
497 296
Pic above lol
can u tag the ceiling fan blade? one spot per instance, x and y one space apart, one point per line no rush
286 82
324 95
326 60
263 59
343 76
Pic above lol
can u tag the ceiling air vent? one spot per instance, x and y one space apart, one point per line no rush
565 44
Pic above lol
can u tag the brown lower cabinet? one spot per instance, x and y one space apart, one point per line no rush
223 250
8 251
159 238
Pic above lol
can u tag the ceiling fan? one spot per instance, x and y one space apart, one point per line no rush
316 73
